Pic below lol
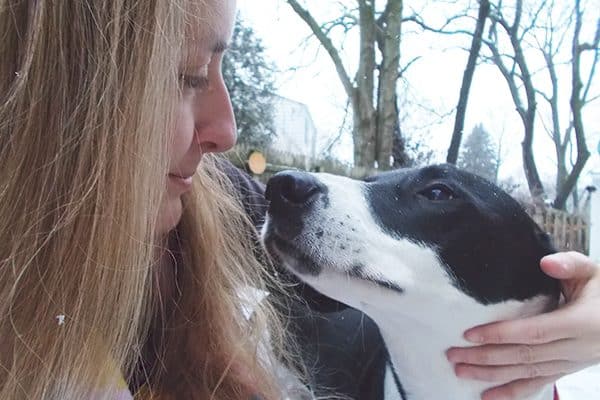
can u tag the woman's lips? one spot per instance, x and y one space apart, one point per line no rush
182 182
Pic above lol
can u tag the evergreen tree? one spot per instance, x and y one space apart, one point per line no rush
479 154
250 80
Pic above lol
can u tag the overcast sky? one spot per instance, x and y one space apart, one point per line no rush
307 75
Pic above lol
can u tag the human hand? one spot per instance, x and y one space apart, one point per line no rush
525 354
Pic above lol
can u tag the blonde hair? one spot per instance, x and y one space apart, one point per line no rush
84 124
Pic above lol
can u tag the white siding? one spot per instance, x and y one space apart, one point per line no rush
296 131
595 219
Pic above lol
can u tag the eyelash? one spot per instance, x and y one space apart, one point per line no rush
194 82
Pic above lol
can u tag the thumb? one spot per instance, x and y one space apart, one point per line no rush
568 265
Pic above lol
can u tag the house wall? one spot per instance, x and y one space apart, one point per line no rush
296 131
595 220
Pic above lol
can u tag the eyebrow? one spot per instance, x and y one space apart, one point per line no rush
220 47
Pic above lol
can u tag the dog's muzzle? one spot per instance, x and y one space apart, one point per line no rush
292 191
291 195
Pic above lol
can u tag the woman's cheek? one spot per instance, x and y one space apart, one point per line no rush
184 130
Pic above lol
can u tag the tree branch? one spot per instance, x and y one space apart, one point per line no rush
533 22
408 64
346 21
594 46
506 73
326 43
417 20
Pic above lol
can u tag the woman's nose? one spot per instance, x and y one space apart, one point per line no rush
216 127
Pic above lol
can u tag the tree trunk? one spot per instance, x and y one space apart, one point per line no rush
374 119
560 145
387 109
531 173
363 103
401 157
576 105
363 131
461 109
536 189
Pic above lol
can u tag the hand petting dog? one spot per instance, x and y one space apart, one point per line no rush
526 354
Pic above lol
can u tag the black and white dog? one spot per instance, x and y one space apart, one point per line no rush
426 253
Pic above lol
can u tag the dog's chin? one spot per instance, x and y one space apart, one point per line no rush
290 256
297 261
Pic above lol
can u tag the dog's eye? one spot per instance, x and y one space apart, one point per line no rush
437 192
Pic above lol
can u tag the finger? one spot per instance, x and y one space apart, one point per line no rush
509 354
543 328
509 373
519 389
568 265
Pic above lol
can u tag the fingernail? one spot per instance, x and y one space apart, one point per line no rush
457 371
451 355
474 337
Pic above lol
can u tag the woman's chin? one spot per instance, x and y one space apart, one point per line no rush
169 215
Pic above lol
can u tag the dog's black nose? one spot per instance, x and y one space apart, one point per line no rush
293 187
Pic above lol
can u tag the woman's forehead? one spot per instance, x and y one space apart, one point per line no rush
211 24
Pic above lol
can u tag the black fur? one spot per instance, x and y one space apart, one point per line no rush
492 245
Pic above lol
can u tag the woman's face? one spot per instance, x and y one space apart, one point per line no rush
204 117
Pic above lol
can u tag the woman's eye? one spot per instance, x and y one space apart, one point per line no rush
195 82
437 193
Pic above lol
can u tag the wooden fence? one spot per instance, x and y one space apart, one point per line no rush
568 231
278 161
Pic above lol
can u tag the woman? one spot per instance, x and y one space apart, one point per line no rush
107 108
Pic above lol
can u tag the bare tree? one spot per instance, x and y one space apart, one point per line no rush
515 69
573 136
579 98
372 89
461 108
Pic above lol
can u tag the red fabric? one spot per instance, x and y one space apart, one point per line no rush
556 394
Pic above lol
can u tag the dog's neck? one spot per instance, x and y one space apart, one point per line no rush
417 345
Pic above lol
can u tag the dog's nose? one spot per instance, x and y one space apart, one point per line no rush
293 187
